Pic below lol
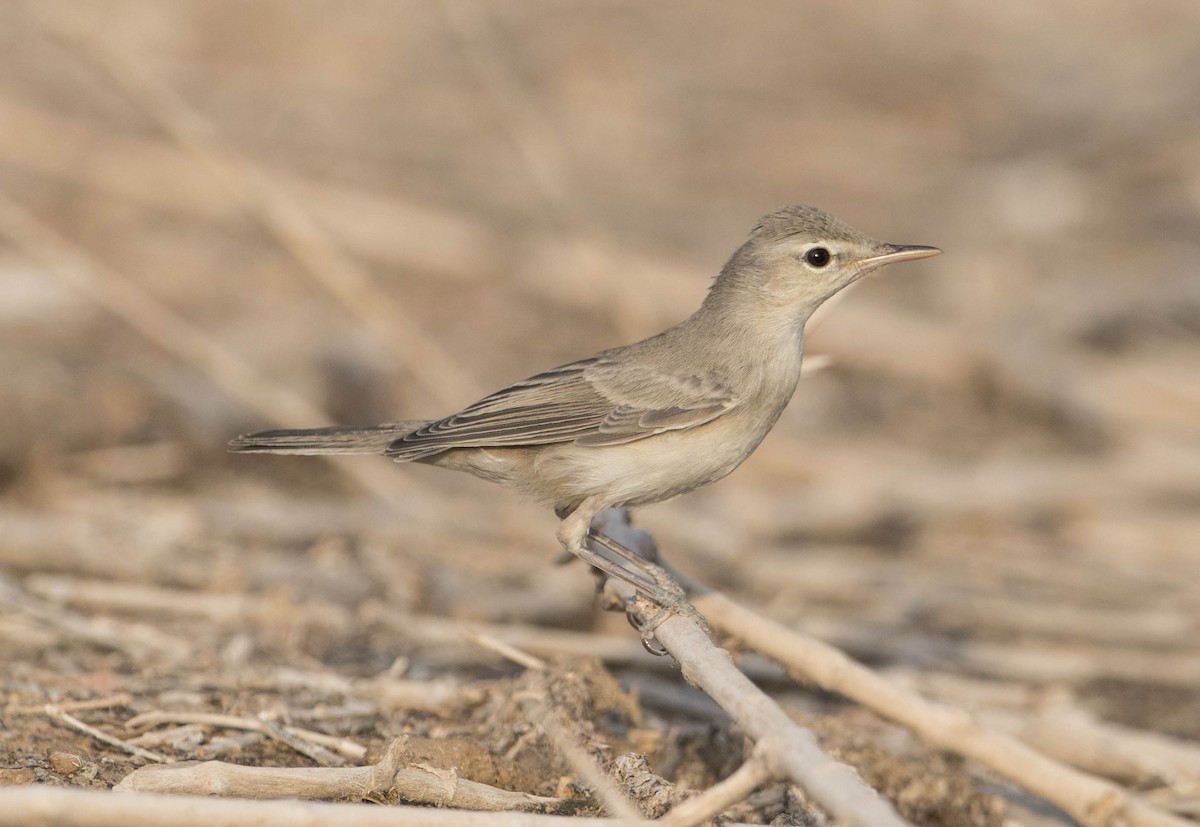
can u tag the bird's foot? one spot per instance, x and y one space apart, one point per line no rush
671 598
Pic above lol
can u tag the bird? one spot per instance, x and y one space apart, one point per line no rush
649 421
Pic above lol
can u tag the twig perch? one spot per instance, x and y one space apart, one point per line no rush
789 751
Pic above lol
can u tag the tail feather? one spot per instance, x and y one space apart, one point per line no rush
338 439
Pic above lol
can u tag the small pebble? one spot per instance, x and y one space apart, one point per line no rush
65 763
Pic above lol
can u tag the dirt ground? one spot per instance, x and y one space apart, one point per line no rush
990 493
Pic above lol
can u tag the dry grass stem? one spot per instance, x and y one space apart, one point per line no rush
1053 722
612 649
560 731
315 745
565 738
1069 733
73 722
504 650
120 699
709 804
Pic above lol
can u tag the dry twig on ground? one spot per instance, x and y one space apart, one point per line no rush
1090 800
315 745
57 807
559 731
414 785
73 722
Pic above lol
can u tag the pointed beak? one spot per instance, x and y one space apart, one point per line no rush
900 252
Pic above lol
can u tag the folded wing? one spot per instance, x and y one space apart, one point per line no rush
591 402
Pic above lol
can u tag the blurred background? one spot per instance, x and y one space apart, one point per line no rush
218 217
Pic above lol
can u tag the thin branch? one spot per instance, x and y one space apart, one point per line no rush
73 722
505 650
789 751
40 806
721 796
559 732
1092 801
107 702
377 782
303 741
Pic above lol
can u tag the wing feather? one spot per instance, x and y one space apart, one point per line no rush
593 402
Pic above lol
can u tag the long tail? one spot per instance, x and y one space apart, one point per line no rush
336 440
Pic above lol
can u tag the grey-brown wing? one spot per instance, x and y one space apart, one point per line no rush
650 401
591 402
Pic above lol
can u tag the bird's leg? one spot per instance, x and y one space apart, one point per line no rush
573 535
648 579
673 599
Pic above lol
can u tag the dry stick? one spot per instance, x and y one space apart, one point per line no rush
58 807
179 337
308 243
420 785
108 702
71 721
790 751
316 752
1092 801
1074 735
294 737
174 736
505 650
721 796
1054 723
551 723
564 738
430 629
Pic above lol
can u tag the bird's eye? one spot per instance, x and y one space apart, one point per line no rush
817 257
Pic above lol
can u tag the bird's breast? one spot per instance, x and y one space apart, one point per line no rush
658 467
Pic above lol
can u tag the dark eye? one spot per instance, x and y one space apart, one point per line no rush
817 256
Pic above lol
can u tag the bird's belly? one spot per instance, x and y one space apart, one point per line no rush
652 469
